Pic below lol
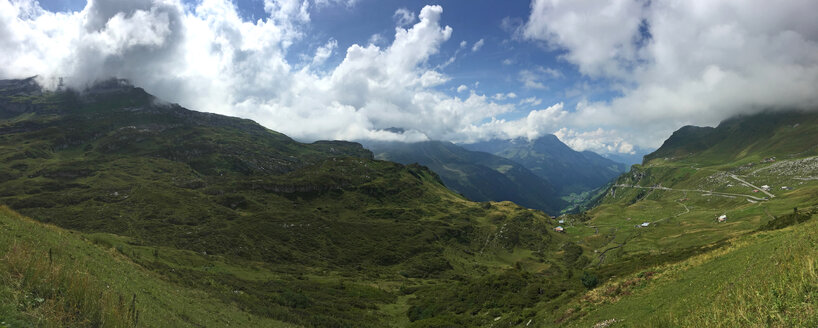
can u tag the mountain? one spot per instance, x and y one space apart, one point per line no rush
260 227
770 133
477 175
707 204
568 170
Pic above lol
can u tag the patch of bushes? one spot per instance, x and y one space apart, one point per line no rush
786 220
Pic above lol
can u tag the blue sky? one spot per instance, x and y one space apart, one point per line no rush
613 77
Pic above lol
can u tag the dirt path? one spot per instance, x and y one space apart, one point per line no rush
751 185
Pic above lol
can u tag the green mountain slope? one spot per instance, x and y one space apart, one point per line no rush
317 235
57 278
477 175
789 134
767 279
699 175
568 170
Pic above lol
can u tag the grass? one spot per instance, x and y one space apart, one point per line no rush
767 279
48 294
83 284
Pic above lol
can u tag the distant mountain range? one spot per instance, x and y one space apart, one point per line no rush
539 174
568 170
477 175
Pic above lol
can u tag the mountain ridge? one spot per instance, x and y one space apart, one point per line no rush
548 157
479 176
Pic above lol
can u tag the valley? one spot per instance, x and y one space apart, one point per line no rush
206 220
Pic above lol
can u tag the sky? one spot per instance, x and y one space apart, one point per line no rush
615 77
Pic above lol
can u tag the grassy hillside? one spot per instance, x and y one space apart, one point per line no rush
767 279
56 278
317 235
477 175
680 199
750 137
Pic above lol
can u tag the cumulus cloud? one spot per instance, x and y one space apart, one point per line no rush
599 140
682 62
477 45
462 88
534 125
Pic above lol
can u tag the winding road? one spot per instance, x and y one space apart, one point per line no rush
696 190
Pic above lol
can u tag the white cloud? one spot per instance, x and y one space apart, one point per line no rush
599 35
326 3
683 62
376 39
477 45
324 52
531 80
536 124
507 61
535 78
504 96
463 44
403 17
531 101
599 140
462 88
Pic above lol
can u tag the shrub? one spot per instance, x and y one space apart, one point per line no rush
589 280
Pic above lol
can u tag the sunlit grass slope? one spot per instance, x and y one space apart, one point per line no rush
765 279
50 277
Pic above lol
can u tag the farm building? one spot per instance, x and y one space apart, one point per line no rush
765 187
559 229
645 224
723 218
